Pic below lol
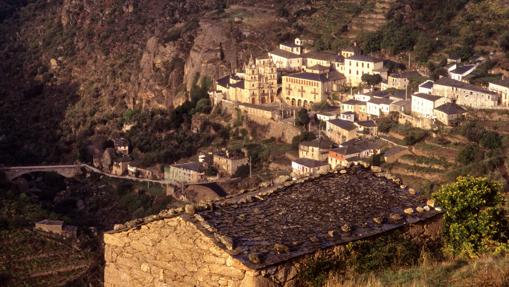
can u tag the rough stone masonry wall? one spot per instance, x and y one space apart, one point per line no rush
169 252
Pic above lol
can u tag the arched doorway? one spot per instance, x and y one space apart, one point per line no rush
299 103
293 102
305 103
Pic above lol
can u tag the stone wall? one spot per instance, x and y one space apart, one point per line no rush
170 252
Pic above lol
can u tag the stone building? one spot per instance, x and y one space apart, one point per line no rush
263 238
340 131
423 105
258 85
316 149
465 94
306 167
501 87
306 88
449 113
401 80
56 227
229 162
121 146
353 150
190 172
358 65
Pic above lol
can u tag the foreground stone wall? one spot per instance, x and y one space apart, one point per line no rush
169 252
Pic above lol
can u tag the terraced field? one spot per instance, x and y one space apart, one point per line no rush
28 258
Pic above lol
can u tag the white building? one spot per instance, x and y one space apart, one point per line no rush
305 167
378 106
426 87
423 105
501 87
465 94
459 72
358 65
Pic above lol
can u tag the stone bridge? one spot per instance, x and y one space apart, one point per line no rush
13 172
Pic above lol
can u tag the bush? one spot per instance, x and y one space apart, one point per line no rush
469 154
385 125
491 140
305 136
474 222
302 118
504 42
415 136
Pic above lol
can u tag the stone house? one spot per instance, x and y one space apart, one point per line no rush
357 107
56 227
367 128
306 88
322 58
449 113
426 87
306 167
401 80
190 172
465 94
316 149
501 87
229 162
260 239
353 150
423 105
358 65
340 131
119 166
402 106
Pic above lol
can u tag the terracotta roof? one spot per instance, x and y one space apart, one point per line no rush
305 217
451 109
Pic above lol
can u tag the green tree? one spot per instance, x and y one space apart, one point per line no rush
371 80
370 42
491 140
469 154
302 118
474 222
424 48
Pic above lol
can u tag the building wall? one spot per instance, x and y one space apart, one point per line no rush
422 107
229 165
397 83
502 91
355 69
339 135
283 63
445 118
182 175
304 93
169 252
312 152
52 228
301 170
260 83
466 97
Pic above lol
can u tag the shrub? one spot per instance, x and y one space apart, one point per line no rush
491 140
474 222
415 136
302 118
504 42
305 136
469 154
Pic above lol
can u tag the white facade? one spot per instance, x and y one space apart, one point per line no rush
356 66
502 89
286 63
362 98
326 117
424 105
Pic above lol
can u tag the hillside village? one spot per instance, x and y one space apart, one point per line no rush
225 161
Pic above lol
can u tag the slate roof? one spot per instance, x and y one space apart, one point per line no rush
503 83
367 124
319 143
356 146
285 54
428 97
444 81
427 85
451 109
317 77
324 55
460 70
406 75
364 58
311 163
194 166
353 102
305 217
225 82
346 125
381 101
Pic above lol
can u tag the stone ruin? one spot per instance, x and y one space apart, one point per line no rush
259 238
